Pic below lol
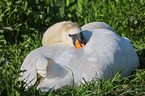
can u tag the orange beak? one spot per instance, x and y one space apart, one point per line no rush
78 40
79 45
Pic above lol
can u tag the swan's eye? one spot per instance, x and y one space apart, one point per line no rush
73 35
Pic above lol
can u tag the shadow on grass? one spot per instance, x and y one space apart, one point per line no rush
141 55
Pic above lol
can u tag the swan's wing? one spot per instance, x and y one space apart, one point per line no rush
37 61
30 75
57 77
41 65
107 53
97 25
59 73
129 56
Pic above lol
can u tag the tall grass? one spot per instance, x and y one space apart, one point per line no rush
22 23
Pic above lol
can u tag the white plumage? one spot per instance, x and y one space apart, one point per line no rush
104 55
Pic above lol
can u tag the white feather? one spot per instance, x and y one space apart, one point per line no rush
104 55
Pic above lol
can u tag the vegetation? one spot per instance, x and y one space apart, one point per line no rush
23 22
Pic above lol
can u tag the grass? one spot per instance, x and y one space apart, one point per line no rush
23 22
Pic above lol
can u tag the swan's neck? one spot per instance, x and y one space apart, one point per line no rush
51 36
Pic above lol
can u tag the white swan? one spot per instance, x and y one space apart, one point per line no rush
60 64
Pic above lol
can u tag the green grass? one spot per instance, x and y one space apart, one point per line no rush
23 22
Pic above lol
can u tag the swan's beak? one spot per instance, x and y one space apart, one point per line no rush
78 40
79 45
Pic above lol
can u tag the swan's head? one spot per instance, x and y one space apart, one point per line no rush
67 32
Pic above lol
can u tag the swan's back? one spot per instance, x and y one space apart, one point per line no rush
97 25
106 53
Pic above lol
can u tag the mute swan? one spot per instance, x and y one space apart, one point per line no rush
58 63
